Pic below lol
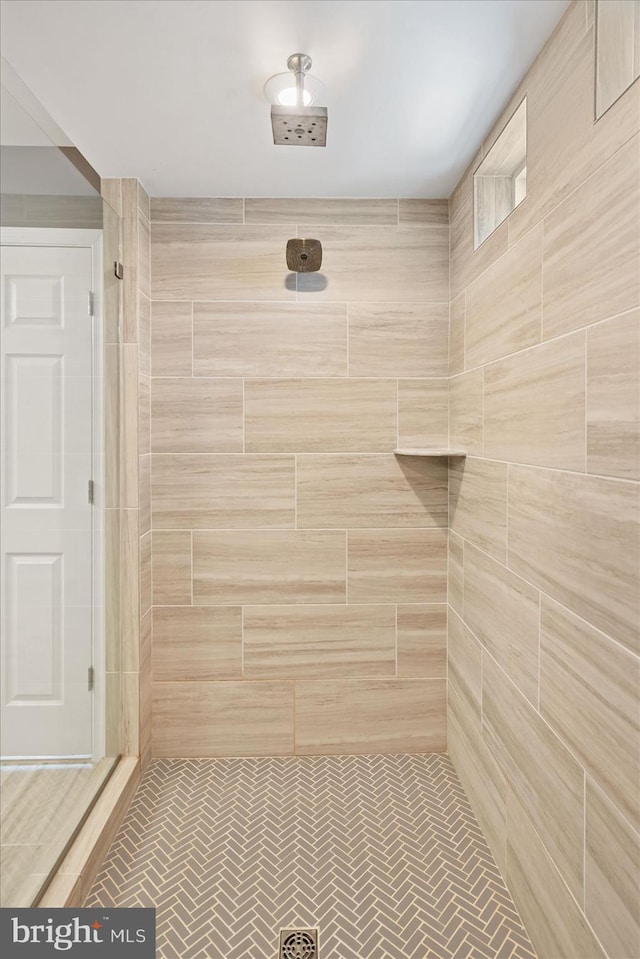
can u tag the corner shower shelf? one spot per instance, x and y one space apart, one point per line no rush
429 452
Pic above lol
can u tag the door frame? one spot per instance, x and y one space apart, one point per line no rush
51 237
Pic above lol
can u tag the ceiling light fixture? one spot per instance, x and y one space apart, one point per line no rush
283 89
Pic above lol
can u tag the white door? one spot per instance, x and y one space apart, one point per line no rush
46 540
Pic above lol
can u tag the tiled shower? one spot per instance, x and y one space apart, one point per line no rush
295 593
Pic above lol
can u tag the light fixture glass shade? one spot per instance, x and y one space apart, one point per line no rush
281 90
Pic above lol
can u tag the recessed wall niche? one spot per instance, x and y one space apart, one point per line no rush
500 182
617 50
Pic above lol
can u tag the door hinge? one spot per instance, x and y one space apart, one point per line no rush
90 491
91 304
90 678
118 270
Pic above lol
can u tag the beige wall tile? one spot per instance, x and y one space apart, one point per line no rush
265 339
457 311
199 209
504 305
111 191
129 426
144 495
198 261
612 876
455 573
144 334
534 405
144 241
111 285
613 397
481 778
144 203
196 415
144 414
592 247
478 504
589 696
130 590
370 491
550 913
465 412
564 145
340 415
540 771
130 279
503 611
423 413
268 566
309 211
370 716
197 644
464 665
422 641
319 642
397 565
145 573
171 568
398 339
222 719
417 210
112 562
130 706
385 264
576 537
170 339
225 491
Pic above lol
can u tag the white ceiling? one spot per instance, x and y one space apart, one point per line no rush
170 91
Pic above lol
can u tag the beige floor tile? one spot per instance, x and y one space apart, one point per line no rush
423 414
224 491
503 611
398 339
534 405
422 641
589 696
269 566
196 261
504 305
370 716
171 564
320 416
222 719
613 397
540 771
370 491
319 642
197 643
612 876
266 339
171 338
576 537
478 504
397 566
196 415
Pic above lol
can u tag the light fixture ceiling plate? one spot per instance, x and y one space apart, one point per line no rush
299 126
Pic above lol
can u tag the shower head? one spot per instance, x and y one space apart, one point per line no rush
295 124
304 255
299 126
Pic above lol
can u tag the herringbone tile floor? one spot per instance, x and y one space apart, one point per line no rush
382 853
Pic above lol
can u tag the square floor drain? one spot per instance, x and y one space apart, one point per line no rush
298 944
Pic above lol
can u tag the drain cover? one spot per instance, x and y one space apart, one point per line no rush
298 944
